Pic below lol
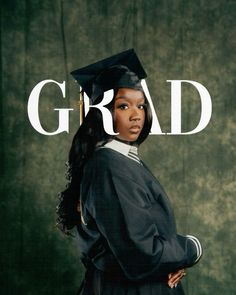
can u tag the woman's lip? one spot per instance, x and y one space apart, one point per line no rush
135 128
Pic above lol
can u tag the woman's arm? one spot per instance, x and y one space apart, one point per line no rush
129 230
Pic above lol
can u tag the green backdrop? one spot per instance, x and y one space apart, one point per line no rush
181 39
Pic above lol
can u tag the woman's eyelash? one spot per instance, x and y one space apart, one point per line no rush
143 105
122 106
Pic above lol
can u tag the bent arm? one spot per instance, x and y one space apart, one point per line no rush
131 234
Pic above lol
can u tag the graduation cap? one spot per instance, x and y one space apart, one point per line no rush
123 70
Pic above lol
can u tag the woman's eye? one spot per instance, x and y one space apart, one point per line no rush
141 106
123 107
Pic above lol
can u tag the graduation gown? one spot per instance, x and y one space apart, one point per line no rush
127 237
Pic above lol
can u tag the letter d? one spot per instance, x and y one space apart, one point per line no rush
206 107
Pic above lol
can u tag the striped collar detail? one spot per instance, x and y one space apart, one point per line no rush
125 149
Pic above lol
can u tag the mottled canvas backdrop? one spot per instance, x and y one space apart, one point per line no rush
181 39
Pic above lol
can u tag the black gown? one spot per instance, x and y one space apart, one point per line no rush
127 237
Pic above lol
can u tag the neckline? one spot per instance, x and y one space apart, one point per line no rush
131 143
130 151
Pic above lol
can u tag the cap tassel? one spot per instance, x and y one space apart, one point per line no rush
81 107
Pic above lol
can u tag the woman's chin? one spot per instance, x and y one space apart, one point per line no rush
130 138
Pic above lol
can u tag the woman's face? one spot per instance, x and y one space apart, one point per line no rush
129 113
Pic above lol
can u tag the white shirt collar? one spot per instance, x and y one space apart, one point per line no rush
125 149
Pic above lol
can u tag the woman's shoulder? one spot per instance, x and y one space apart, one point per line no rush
106 160
101 159
104 156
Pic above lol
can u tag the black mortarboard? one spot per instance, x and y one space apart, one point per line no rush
121 70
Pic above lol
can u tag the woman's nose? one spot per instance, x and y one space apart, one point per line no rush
135 115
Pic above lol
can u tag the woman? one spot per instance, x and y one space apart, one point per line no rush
126 227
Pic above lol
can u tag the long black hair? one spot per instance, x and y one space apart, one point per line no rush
89 134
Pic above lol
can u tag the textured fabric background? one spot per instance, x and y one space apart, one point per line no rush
181 39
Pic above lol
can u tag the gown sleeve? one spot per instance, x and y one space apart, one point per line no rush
116 204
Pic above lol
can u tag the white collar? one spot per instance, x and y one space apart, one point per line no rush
125 149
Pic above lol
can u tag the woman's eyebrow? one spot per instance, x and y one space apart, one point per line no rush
120 97
126 97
